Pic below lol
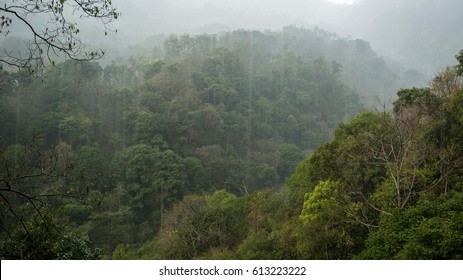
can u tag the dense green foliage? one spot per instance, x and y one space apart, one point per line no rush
388 186
430 230
223 152
114 148
40 239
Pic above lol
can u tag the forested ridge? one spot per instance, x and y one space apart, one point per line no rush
243 145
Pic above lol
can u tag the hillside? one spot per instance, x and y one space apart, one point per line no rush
241 145
388 186
113 148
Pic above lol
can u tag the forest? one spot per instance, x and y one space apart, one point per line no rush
241 145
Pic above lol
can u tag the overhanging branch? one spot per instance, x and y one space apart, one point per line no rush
59 37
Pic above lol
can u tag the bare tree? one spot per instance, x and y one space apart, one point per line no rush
403 147
58 37
447 83
399 151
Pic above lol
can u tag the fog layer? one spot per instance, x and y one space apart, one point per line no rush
421 34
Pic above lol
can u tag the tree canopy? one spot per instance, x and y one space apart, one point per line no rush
227 147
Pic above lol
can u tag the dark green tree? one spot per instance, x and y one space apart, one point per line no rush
42 239
430 230
460 61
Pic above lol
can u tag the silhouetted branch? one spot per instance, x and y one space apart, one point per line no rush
58 37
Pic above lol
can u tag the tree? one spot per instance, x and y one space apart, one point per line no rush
42 239
288 157
59 36
201 224
326 235
34 184
447 82
24 171
430 230
460 65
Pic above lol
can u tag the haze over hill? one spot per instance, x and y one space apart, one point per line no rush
218 15
421 34
416 38
242 130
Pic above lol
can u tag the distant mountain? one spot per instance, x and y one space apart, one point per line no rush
422 34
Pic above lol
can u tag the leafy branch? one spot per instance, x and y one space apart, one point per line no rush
59 37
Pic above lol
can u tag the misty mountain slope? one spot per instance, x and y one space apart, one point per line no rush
346 200
363 70
187 146
358 65
423 34
145 134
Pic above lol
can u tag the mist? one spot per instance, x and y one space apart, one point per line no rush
422 35
144 18
258 129
405 31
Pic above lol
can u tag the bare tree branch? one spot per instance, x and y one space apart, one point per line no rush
59 38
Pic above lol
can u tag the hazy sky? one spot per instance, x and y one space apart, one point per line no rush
342 1
164 16
144 18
